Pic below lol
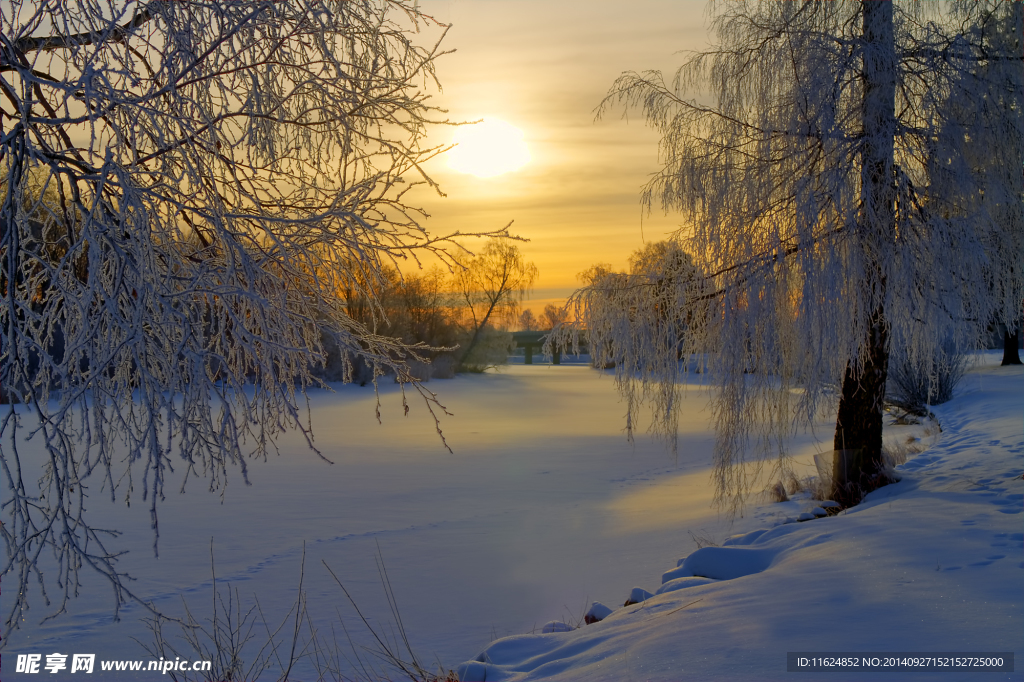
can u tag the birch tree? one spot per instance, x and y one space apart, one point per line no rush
187 185
813 206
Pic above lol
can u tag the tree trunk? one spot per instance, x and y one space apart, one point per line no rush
1011 342
857 468
479 329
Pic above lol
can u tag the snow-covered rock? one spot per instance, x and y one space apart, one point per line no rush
819 512
596 613
638 595
556 626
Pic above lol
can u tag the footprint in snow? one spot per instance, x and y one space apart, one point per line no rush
1009 505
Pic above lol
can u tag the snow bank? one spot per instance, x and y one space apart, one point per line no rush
934 563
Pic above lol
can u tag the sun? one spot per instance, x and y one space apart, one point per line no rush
489 148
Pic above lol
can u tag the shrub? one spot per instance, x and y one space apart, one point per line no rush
914 384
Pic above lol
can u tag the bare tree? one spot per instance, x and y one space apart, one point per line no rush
814 213
553 316
188 185
527 321
492 286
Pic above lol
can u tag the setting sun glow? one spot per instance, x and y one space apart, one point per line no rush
489 148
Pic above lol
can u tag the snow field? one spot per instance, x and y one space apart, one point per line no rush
544 509
930 564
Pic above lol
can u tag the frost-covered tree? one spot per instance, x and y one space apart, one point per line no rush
991 120
802 151
662 294
186 187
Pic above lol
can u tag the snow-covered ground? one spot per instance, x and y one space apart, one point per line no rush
543 508
930 564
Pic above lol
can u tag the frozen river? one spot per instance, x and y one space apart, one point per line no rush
542 508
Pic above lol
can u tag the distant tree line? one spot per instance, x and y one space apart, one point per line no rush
450 320
551 317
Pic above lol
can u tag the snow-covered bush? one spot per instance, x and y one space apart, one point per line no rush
916 383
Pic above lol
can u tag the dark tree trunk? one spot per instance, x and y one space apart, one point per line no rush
857 466
1011 342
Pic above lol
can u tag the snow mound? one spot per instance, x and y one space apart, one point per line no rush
682 584
473 671
676 573
638 595
596 613
727 563
541 655
721 563
744 539
556 626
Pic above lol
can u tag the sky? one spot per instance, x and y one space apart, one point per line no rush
544 67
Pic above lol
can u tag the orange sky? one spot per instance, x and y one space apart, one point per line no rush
543 66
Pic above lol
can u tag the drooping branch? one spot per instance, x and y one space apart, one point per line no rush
825 235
